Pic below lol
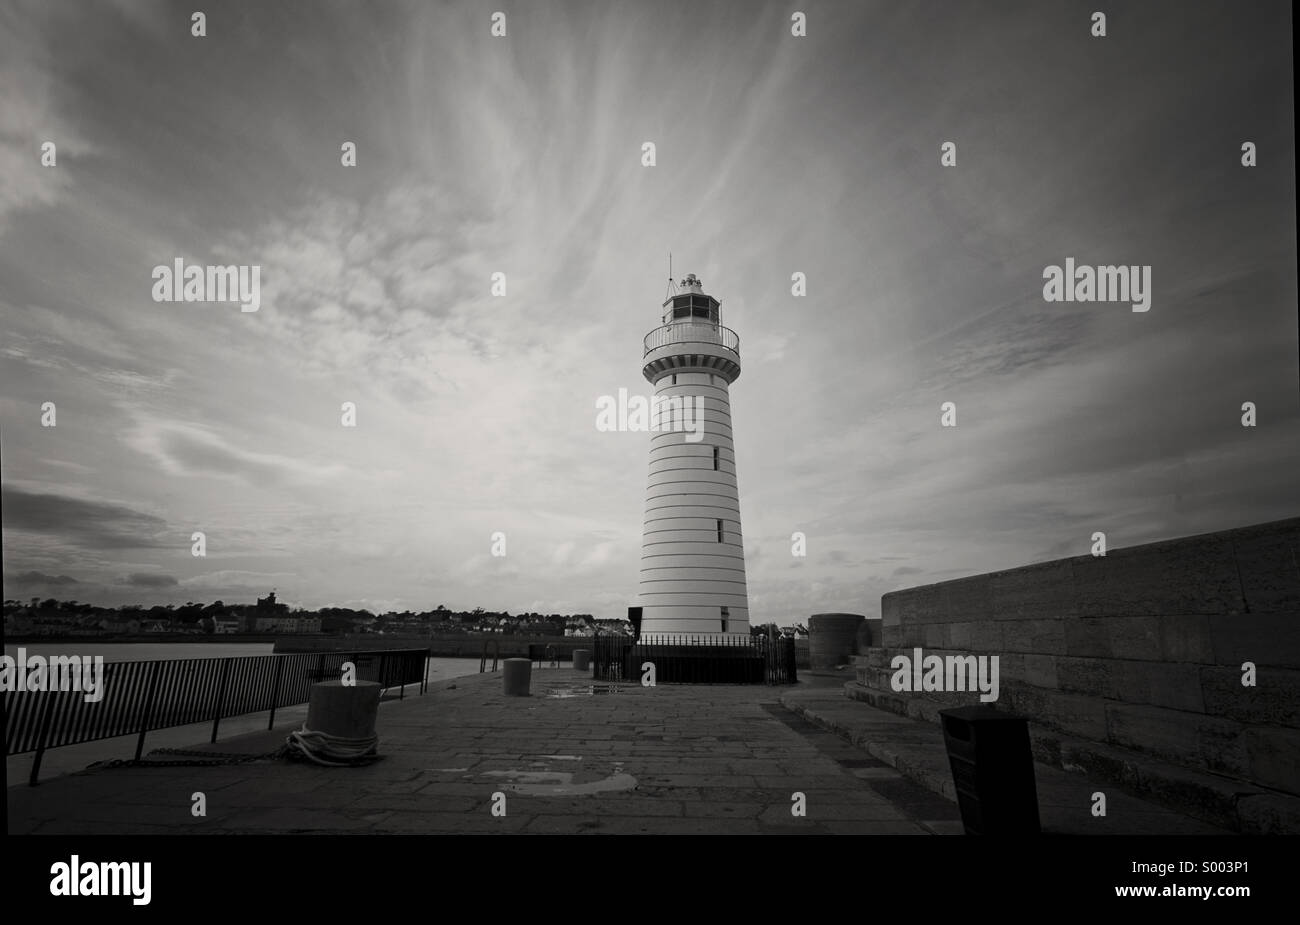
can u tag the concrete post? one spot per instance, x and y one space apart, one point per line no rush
344 712
517 676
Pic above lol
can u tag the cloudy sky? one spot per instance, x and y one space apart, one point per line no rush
522 154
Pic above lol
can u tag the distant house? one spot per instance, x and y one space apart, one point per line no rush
289 623
225 625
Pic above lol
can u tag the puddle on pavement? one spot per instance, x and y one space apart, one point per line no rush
561 783
574 780
580 690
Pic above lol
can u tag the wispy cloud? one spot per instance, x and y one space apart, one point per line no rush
191 450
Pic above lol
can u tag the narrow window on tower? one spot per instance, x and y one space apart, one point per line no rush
674 378
719 531
715 459
726 615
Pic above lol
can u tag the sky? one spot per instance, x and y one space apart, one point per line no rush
522 154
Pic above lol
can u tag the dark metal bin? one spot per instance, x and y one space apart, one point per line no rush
992 770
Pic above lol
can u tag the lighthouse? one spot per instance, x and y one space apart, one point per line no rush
692 582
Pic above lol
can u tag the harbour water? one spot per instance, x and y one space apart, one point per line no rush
440 669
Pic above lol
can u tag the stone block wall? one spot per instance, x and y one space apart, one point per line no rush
1140 650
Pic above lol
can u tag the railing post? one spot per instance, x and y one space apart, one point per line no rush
275 692
148 708
40 747
221 698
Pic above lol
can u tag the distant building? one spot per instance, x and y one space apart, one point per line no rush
303 624
268 605
287 624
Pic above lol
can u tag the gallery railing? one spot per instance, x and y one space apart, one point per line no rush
691 332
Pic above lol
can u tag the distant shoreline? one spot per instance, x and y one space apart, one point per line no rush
162 638
510 646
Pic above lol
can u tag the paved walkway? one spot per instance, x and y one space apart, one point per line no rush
584 757
574 757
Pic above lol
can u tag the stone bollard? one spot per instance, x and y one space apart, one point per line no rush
344 712
581 659
517 675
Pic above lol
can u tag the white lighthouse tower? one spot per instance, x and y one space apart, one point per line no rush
692 557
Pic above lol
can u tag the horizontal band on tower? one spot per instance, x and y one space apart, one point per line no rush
704 547
726 368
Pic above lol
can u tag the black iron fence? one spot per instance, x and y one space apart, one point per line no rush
139 697
701 658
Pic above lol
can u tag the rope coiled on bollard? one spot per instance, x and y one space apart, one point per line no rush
303 744
330 750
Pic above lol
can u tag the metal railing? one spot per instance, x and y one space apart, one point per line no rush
545 652
496 655
695 658
698 332
143 696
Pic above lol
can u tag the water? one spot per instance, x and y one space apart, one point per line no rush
440 669
142 651
71 758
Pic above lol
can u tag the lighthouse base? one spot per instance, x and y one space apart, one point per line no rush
694 659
